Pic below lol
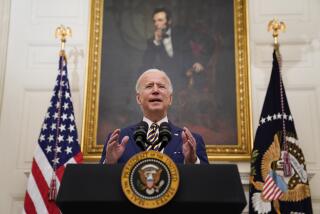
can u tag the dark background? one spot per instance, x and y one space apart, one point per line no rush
209 105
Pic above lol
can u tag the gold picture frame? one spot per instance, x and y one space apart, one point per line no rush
237 152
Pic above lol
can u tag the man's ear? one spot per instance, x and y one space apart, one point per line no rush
138 98
171 97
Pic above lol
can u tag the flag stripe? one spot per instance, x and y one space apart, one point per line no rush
271 196
60 171
43 188
78 158
36 196
268 182
270 191
44 164
268 185
28 205
267 191
278 194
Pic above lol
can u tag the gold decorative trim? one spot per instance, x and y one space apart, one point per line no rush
92 151
241 151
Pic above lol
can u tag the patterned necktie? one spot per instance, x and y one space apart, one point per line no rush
153 135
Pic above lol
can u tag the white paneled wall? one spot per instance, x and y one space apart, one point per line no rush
29 57
30 73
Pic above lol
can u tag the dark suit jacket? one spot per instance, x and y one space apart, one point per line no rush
173 149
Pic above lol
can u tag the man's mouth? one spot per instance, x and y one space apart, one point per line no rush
153 100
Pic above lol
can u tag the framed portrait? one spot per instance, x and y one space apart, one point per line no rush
207 62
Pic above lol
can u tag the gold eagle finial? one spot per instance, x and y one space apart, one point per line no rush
276 27
63 32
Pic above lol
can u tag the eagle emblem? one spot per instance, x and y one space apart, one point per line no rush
150 175
150 179
277 187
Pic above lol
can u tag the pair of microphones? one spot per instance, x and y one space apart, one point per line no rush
140 135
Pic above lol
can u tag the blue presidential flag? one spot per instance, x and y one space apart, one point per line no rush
278 180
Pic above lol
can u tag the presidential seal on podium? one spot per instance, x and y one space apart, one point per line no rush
150 179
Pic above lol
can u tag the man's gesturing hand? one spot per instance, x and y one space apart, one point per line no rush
189 146
115 150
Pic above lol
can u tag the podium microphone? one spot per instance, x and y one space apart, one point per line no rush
140 135
164 135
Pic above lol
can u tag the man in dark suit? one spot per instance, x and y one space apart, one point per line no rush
154 95
170 49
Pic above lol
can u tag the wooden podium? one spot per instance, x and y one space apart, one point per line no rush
96 188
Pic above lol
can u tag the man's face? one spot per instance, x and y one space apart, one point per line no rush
154 95
160 21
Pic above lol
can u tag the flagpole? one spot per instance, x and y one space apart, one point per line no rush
276 27
62 33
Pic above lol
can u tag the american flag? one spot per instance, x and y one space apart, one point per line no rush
58 145
271 191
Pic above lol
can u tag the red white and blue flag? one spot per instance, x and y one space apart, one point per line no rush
58 145
272 188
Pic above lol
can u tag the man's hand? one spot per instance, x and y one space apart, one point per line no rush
158 35
115 150
189 146
197 67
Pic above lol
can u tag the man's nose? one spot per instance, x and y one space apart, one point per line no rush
155 89
157 24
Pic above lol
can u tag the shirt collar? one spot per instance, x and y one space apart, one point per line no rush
169 32
165 119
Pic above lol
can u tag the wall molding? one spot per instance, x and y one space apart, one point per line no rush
4 38
244 176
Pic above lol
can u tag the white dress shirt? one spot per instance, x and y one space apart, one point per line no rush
167 43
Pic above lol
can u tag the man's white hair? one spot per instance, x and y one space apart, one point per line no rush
151 71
